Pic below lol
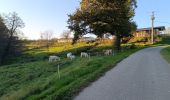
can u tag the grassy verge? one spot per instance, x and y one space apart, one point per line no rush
39 79
165 41
166 53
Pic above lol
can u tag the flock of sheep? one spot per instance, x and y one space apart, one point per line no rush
83 54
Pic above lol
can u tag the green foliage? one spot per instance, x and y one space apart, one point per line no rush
103 16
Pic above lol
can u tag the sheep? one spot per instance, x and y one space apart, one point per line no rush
72 57
108 52
69 54
53 58
84 54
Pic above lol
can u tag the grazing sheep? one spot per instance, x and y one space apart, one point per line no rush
53 58
69 54
72 57
108 52
84 54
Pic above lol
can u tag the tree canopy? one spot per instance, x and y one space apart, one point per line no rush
103 16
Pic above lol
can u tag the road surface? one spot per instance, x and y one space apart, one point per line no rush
145 75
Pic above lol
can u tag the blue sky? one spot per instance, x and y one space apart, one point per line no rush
42 15
145 8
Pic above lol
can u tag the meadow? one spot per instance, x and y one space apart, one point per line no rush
32 77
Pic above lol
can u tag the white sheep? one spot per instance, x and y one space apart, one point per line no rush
69 54
108 52
54 58
84 54
72 57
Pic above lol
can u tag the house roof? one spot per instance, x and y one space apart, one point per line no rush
160 28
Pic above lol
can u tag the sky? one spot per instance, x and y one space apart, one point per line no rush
52 15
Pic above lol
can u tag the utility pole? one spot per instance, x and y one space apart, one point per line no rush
152 34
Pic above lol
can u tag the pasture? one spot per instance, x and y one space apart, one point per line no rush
32 77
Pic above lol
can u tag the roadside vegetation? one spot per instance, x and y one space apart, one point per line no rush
33 77
164 41
166 51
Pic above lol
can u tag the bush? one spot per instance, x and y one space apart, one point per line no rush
133 46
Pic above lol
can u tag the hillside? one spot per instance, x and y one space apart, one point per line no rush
31 76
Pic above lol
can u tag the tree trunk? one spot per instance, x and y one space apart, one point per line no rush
117 43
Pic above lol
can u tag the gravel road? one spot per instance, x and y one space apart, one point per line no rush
145 75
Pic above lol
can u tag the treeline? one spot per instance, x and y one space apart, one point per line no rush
10 45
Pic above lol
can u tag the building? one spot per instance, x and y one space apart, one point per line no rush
146 32
167 31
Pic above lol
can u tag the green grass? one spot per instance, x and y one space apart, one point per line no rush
165 41
32 53
166 53
35 80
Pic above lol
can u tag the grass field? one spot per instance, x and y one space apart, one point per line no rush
32 77
166 53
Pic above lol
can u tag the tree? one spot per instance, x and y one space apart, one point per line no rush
66 34
13 23
103 16
46 37
3 37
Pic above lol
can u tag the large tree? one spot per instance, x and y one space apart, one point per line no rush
13 23
3 37
103 16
